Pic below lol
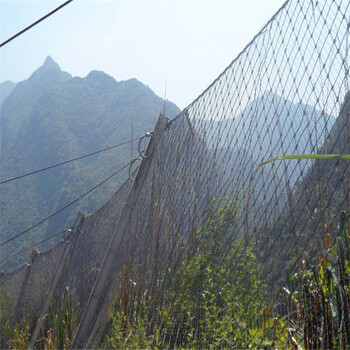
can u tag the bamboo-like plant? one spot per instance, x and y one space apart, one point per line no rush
62 316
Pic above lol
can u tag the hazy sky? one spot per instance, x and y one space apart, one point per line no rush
181 44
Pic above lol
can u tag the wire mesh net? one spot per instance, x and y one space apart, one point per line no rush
25 290
223 252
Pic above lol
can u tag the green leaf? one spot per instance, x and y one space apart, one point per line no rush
305 156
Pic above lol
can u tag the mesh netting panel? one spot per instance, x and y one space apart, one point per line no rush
214 236
10 284
222 251
93 238
25 290
35 291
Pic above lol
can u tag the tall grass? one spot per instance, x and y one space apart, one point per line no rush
62 321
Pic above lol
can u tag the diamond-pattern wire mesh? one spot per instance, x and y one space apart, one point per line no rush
282 95
24 291
205 205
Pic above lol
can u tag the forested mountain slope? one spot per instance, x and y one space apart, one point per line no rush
52 117
328 181
267 127
5 89
313 208
270 125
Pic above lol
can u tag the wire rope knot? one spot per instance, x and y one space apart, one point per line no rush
133 160
143 153
67 235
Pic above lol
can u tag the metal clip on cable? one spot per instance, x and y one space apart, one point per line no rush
67 235
142 154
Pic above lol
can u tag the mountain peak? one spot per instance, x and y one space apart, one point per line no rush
101 79
100 75
50 63
48 73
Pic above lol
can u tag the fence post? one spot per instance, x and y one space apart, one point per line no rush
18 310
56 280
85 329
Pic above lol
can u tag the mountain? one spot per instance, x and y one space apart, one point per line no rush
315 204
5 89
324 190
52 117
328 181
268 126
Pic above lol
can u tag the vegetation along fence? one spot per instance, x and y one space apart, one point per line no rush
206 247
